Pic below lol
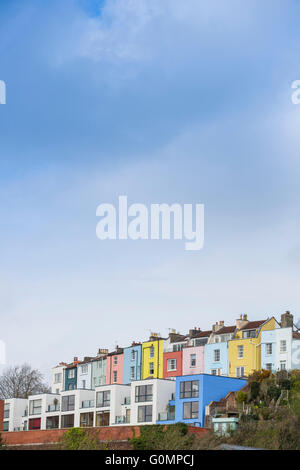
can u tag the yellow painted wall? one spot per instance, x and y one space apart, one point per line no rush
157 359
252 351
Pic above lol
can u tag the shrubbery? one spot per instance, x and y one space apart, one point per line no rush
159 437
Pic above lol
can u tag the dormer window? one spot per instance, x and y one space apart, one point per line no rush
249 334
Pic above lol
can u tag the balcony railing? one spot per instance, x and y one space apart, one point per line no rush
165 416
88 404
122 420
127 401
53 408
103 404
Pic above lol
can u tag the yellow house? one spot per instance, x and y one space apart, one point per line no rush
244 351
152 357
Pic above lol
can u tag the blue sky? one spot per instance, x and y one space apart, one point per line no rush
164 101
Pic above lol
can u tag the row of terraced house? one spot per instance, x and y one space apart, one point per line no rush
162 380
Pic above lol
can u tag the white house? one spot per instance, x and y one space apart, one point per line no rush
149 398
14 411
42 411
112 405
58 374
77 408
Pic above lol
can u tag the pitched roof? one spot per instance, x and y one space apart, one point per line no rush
179 339
226 330
252 325
202 334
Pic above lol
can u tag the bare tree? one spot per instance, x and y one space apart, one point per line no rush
21 381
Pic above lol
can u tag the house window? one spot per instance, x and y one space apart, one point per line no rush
193 360
6 410
52 422
190 410
143 393
103 399
282 365
84 369
68 403
269 366
86 420
132 373
6 426
34 424
115 376
269 348
151 368
189 389
152 351
67 421
145 414
171 364
132 354
71 374
102 418
71 387
216 372
249 334
217 355
83 384
283 346
57 378
240 352
35 407
240 371
115 360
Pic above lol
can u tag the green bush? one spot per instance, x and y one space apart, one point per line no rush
254 390
160 437
79 439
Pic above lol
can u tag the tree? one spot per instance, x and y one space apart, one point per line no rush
21 381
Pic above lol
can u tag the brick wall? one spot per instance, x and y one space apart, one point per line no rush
1 414
115 433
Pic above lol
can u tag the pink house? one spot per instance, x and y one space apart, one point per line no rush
114 367
193 354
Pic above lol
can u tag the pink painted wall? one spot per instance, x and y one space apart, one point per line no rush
111 367
186 360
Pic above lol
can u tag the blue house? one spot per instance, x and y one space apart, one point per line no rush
216 358
216 350
195 392
71 377
132 363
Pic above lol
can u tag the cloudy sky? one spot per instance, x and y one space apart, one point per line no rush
163 101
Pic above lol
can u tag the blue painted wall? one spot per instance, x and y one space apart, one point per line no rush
70 382
268 337
211 388
136 363
209 358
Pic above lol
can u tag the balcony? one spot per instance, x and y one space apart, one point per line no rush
127 401
88 404
53 408
122 420
166 416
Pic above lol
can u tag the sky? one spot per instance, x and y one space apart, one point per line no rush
163 101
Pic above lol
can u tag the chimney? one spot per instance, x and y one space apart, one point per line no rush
102 352
75 359
217 326
287 320
193 332
174 336
241 322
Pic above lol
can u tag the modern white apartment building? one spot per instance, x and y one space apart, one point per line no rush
149 399
14 411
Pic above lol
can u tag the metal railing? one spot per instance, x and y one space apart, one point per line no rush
88 404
